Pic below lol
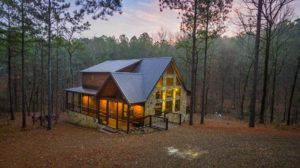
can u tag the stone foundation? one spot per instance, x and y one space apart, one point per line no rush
82 120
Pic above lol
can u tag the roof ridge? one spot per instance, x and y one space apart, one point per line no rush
131 73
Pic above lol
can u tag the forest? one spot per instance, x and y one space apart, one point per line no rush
41 55
243 91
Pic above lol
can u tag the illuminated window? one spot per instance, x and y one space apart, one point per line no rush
125 111
160 83
92 102
169 106
178 92
102 105
169 93
138 111
158 94
177 105
170 81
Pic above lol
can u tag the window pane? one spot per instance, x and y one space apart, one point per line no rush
169 81
92 102
158 108
103 105
178 92
159 83
169 106
158 94
169 93
177 105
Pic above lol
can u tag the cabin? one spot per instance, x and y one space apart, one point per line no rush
126 94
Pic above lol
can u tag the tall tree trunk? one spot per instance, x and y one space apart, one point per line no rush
71 68
265 78
42 95
9 55
204 65
254 84
194 70
273 90
292 92
244 91
57 79
49 69
22 60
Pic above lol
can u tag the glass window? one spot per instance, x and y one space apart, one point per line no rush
170 82
160 83
158 108
125 111
158 94
177 105
92 102
178 92
169 106
169 93
102 105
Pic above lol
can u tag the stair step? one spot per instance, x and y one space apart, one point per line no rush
109 130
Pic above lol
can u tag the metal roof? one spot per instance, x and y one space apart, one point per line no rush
131 85
152 68
80 89
137 85
111 65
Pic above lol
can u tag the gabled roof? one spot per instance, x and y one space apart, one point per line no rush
152 68
111 65
135 86
131 85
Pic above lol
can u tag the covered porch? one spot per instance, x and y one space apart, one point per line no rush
115 113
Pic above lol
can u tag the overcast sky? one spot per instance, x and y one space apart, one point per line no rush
144 16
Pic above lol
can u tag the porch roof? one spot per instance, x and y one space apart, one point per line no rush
80 89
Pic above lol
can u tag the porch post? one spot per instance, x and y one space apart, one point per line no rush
117 123
67 100
97 108
73 106
128 118
88 104
107 111
80 103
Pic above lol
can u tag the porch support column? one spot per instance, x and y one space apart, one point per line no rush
73 106
117 123
107 111
128 118
88 104
80 103
97 108
67 100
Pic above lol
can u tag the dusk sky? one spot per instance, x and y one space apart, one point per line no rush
144 16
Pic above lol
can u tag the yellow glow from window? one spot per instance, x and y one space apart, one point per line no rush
138 110
164 101
102 104
85 100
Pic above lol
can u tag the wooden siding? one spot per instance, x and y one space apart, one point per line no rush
94 80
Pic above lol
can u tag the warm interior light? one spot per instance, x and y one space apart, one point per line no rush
85 100
138 110
103 105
